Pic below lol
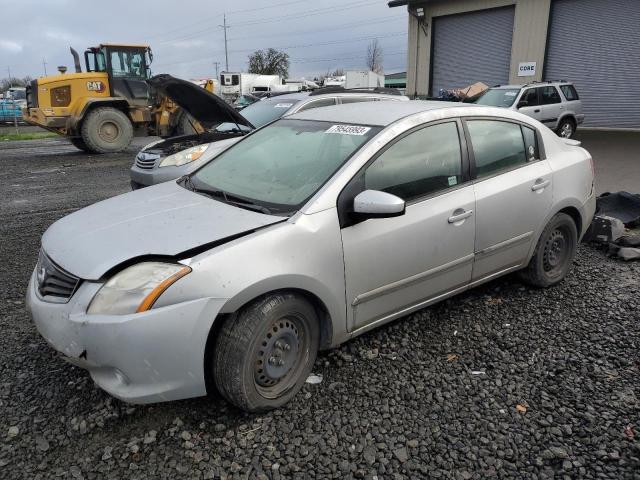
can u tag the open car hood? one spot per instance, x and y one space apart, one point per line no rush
207 108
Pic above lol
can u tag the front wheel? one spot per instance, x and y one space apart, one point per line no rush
264 354
554 252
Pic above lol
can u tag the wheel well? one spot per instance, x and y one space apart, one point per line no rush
326 329
568 117
91 106
575 215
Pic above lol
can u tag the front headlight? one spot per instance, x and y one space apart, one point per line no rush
136 288
185 156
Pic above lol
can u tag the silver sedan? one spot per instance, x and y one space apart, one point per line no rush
300 236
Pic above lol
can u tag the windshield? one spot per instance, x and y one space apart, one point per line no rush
498 97
282 165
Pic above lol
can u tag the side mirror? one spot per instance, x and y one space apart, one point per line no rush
377 204
523 103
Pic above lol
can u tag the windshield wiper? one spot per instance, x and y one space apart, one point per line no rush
227 198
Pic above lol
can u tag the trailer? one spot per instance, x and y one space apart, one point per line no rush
235 84
363 79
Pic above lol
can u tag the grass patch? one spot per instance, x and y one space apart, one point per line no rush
9 137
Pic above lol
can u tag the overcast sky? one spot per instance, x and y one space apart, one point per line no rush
186 39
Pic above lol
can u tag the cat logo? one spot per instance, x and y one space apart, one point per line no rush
95 86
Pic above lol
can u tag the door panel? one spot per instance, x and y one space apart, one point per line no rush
533 109
551 106
394 263
510 209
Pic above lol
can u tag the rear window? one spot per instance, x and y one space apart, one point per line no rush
266 111
569 92
498 97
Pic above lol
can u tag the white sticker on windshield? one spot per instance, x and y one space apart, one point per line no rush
282 105
348 129
510 94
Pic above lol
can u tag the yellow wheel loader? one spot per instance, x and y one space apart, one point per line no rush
102 108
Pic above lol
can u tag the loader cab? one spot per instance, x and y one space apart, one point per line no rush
127 68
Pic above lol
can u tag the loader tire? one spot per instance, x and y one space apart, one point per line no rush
106 130
80 145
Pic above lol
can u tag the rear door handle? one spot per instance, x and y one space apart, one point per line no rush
540 184
536 111
459 214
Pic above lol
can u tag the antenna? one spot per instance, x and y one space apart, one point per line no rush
44 66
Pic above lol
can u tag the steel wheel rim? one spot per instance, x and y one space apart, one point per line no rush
556 252
109 131
280 356
567 130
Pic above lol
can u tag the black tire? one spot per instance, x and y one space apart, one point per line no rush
252 367
566 128
554 253
80 145
184 125
106 130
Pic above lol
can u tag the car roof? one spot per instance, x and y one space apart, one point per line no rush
371 113
532 84
304 95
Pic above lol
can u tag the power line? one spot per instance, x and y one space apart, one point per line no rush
309 13
217 16
334 42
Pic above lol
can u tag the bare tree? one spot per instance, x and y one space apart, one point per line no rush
269 62
374 56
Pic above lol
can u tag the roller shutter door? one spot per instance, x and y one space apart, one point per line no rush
595 44
471 47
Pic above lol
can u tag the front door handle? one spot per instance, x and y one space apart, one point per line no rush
536 111
540 184
459 214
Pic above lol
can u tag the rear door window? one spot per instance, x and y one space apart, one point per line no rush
530 144
497 146
549 95
569 92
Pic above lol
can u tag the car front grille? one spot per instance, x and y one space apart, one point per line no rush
146 160
53 281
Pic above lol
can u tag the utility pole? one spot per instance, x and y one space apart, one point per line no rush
9 73
44 66
217 67
226 53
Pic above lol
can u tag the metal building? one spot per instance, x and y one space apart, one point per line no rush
593 43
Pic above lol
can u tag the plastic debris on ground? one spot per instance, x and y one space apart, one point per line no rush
314 378
615 214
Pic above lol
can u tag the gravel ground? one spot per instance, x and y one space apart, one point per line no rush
503 381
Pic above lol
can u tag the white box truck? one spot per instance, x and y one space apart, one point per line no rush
234 84
363 79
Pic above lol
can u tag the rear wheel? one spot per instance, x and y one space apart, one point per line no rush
567 128
106 130
80 145
264 354
554 253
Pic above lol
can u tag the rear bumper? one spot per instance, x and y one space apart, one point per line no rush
146 357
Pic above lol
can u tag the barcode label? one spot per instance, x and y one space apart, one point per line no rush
348 129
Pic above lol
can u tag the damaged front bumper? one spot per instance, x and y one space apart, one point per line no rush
146 357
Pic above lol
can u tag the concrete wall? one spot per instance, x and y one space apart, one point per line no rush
529 36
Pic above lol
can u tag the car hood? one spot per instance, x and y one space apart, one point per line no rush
207 108
162 220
